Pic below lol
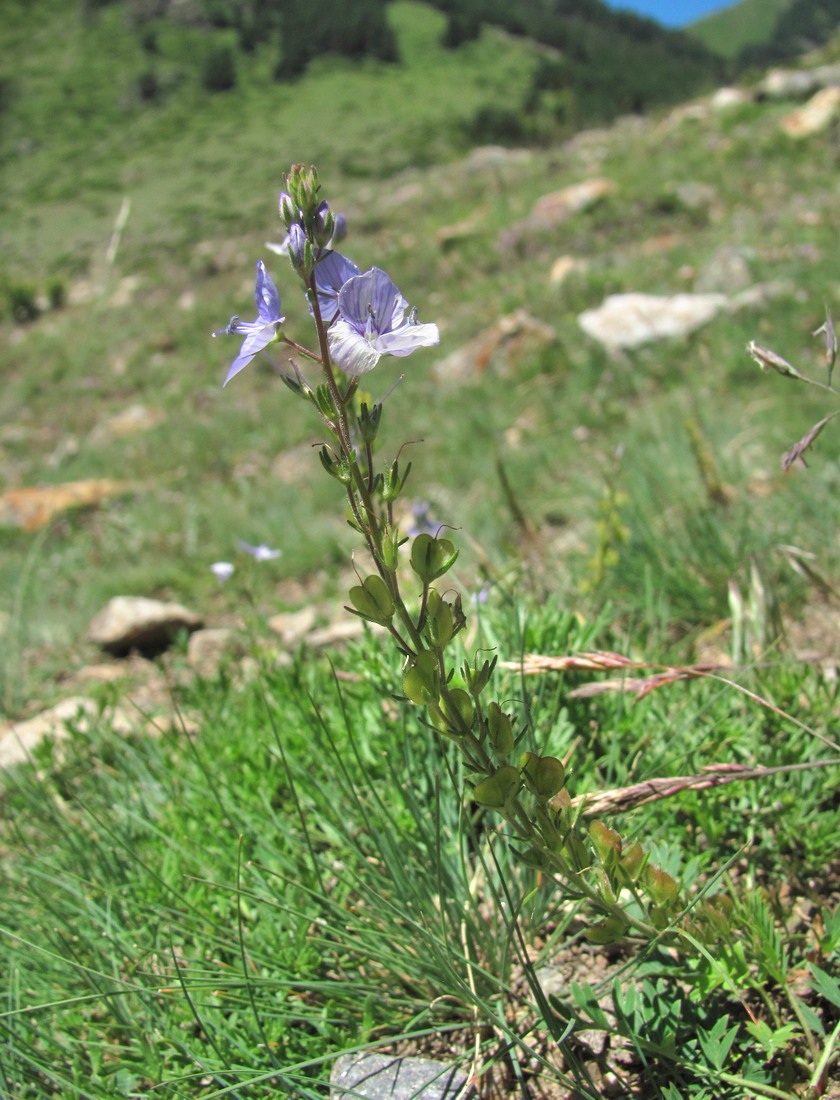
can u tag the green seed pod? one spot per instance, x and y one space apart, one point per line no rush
440 623
497 789
431 558
609 930
545 774
661 886
456 713
421 681
606 841
372 600
633 860
500 728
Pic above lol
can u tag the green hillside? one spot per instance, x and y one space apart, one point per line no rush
746 23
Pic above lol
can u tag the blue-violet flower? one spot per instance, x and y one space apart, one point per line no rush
372 322
260 333
331 273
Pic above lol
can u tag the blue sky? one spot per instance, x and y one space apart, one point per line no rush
672 13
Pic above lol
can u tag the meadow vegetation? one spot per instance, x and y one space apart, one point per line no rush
292 868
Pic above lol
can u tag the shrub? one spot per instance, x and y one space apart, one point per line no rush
219 72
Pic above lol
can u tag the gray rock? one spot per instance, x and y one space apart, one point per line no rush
383 1077
135 624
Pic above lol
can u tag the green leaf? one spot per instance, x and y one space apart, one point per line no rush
717 1041
772 1042
826 986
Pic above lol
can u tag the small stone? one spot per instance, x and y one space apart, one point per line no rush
31 508
556 207
815 116
131 421
787 84
726 98
345 630
500 347
563 267
208 650
135 623
694 195
292 626
551 211
18 740
381 1077
726 271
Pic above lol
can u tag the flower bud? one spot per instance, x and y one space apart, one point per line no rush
323 225
289 213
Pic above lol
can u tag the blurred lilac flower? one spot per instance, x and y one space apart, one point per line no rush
260 333
331 273
423 523
261 552
481 596
372 323
222 570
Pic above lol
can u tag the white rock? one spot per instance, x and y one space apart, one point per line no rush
630 320
724 98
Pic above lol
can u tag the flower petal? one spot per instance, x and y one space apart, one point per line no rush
350 350
371 300
331 273
407 338
253 343
266 296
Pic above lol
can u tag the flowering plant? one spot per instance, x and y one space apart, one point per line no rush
358 318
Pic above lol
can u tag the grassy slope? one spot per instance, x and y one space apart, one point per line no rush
746 23
202 176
